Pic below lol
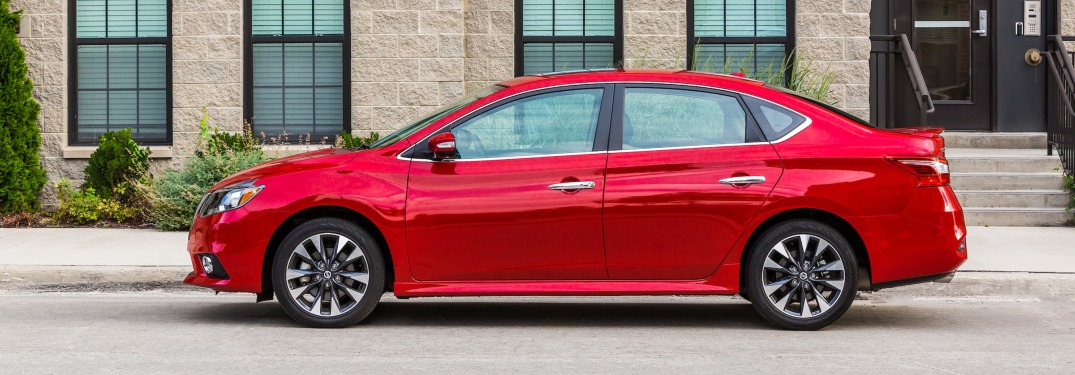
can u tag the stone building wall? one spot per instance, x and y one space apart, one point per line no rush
407 57
655 34
834 34
43 34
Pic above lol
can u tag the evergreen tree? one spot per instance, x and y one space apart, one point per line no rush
21 175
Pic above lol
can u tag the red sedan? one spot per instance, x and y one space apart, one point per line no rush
636 182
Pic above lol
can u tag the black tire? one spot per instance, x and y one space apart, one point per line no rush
340 315
818 280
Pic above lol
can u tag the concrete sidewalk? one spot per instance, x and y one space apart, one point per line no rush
74 255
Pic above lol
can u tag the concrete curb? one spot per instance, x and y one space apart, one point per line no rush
170 278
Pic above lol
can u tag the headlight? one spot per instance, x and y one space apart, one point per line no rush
228 198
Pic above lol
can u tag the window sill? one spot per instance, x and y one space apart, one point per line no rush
281 151
84 152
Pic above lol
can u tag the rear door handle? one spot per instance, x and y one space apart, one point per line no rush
580 185
744 180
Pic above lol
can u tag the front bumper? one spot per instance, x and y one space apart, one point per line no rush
238 239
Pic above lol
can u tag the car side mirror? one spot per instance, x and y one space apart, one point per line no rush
443 146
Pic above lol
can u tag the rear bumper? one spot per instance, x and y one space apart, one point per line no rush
943 278
925 242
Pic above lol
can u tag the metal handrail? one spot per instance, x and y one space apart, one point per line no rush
1060 127
910 60
901 45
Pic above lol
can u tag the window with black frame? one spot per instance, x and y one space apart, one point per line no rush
121 76
563 35
297 70
749 36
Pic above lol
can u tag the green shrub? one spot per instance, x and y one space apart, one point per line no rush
82 206
212 141
116 166
175 194
21 175
346 140
804 77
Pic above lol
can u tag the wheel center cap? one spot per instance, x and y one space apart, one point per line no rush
803 276
327 274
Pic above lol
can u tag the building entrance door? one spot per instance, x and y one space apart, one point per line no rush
953 41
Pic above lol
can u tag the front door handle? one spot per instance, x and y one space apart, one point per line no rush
743 181
580 185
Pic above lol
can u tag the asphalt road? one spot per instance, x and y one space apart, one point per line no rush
976 330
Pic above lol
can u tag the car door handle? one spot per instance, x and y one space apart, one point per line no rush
580 185
744 180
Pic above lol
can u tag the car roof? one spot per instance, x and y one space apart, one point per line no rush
629 75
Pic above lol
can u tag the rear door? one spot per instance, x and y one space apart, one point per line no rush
687 170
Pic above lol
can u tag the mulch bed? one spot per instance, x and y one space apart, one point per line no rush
43 220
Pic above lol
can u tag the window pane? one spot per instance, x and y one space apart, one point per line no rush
552 57
740 18
555 123
569 17
297 17
658 118
762 61
121 18
90 22
775 121
298 89
122 86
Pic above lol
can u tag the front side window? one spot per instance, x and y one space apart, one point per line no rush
562 35
121 70
662 118
561 122
297 77
749 36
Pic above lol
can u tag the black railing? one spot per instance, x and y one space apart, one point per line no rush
1061 117
886 79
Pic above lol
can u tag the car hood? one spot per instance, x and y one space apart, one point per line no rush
326 158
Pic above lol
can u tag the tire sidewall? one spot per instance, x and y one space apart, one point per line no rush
374 259
756 262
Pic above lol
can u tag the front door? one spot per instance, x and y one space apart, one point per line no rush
952 39
523 199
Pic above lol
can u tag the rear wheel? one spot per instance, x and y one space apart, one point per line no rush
328 273
802 275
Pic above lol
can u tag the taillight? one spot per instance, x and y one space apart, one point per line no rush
931 171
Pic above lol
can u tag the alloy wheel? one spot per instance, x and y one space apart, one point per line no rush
803 276
327 274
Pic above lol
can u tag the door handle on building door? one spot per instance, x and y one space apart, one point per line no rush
983 23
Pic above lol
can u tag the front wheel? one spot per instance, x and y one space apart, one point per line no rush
328 273
802 275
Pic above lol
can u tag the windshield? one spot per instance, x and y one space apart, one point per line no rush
820 104
439 113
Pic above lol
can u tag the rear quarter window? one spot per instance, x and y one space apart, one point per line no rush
775 121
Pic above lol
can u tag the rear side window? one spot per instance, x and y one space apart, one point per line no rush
662 118
775 121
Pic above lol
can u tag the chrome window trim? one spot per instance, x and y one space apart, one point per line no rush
798 129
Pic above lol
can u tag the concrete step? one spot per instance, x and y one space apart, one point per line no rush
1016 217
994 140
1001 160
1013 198
1007 181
